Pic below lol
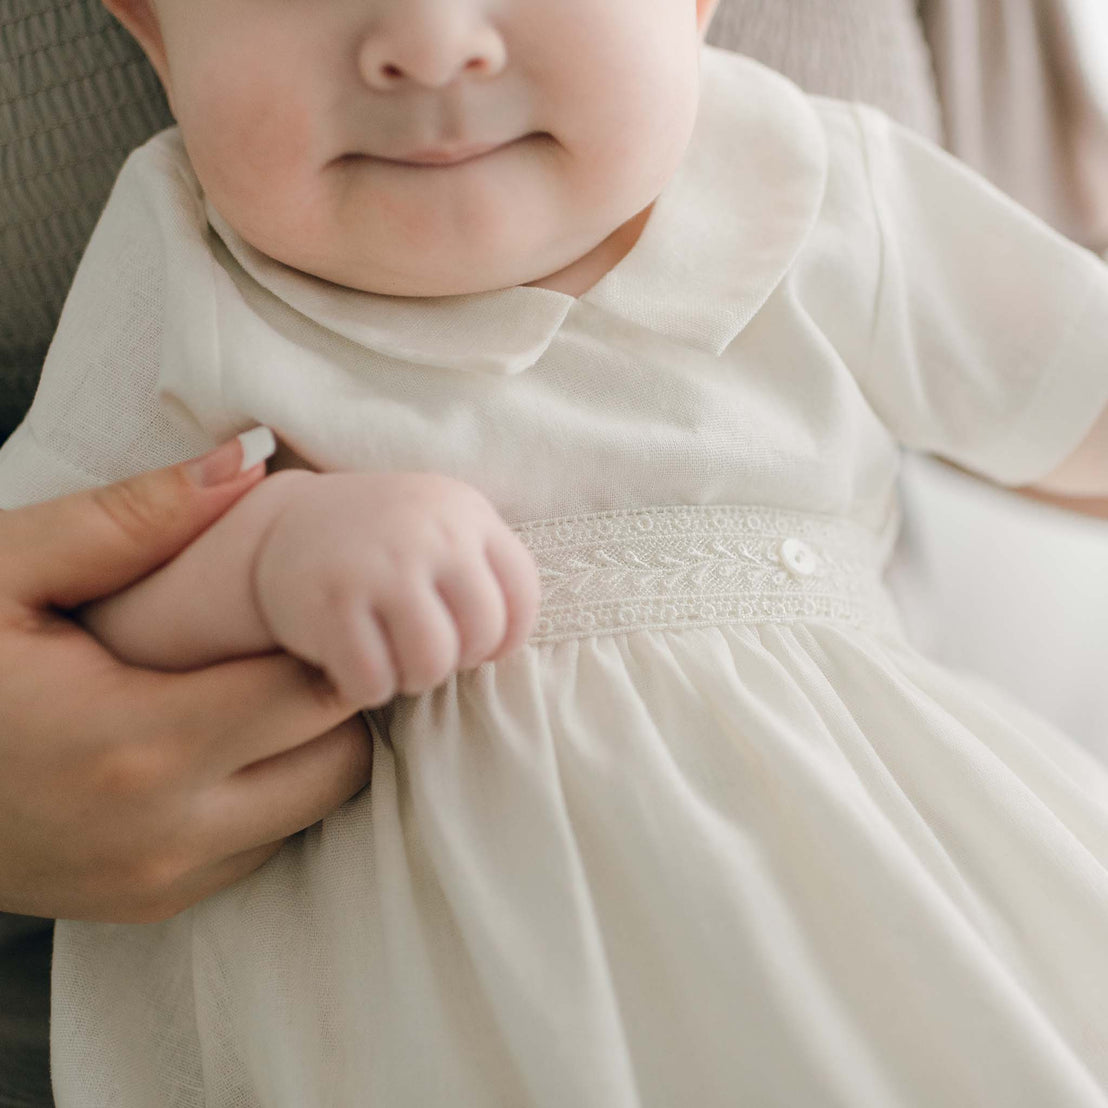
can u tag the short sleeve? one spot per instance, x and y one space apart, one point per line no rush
990 335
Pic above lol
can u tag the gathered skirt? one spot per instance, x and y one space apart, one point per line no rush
718 835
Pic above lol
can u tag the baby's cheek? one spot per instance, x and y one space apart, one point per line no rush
255 165
251 143
246 125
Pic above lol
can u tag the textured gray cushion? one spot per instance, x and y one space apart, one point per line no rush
868 50
76 96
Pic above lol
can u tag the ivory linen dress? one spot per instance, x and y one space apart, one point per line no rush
717 835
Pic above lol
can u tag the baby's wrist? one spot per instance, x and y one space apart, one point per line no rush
276 495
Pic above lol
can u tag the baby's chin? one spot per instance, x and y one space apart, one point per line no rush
410 252
422 285
434 279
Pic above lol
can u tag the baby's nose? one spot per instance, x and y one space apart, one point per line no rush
430 47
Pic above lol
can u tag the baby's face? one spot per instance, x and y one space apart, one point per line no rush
428 147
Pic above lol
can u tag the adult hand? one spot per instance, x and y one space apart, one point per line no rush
126 794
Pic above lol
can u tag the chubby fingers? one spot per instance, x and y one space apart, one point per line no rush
478 609
518 577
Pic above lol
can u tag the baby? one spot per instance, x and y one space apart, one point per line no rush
550 293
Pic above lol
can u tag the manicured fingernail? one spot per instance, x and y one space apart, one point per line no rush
233 458
257 444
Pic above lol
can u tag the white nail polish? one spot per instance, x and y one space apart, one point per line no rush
257 444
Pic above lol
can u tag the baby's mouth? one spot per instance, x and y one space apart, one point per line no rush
448 155
438 157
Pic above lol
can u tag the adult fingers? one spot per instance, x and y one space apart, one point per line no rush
111 791
207 882
155 904
252 815
281 796
64 552
231 715
202 723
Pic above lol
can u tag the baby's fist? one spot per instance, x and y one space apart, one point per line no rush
391 582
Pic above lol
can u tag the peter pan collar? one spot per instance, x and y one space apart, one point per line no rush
719 240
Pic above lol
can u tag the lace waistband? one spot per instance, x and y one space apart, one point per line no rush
655 568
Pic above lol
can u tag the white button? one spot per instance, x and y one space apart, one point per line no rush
799 558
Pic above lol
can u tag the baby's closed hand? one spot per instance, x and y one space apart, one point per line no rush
392 582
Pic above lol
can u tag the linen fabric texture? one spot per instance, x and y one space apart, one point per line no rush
754 850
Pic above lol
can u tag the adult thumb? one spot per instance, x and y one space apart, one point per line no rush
64 552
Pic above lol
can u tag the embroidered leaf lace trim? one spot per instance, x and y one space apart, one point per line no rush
689 566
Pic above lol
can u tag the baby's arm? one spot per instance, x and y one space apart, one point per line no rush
387 582
1083 476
